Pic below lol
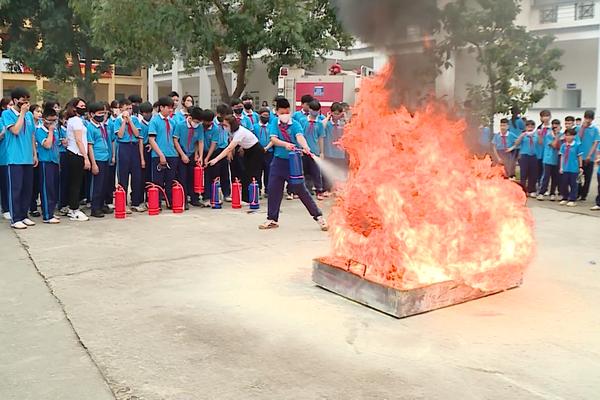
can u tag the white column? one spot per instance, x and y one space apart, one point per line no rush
204 89
445 82
597 105
152 95
175 84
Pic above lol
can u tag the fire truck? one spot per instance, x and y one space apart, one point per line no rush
340 85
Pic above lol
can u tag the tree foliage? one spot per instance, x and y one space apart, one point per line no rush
280 32
517 64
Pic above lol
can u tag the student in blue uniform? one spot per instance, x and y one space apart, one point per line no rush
99 152
219 142
190 138
165 160
36 110
3 170
302 114
47 138
248 103
286 135
571 164
21 157
590 136
596 207
175 97
130 158
334 130
542 130
209 130
528 158
63 170
261 130
502 142
516 126
551 146
314 132
146 113
237 162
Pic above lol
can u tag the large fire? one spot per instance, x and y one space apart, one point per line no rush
418 208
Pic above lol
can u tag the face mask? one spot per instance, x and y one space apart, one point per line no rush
147 117
195 125
264 120
99 118
19 105
238 111
81 111
314 114
248 106
284 118
220 119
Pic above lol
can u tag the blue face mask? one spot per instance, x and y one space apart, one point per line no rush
314 114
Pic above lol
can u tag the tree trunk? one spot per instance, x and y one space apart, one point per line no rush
215 58
242 68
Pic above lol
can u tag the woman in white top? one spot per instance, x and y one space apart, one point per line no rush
253 152
77 156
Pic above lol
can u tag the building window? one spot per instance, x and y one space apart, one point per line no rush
584 10
548 15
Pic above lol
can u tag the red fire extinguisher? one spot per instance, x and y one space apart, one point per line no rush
120 202
153 198
198 179
236 194
178 197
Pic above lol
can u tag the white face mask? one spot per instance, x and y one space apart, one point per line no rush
195 125
284 118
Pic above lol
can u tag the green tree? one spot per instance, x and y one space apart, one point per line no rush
281 32
53 38
517 64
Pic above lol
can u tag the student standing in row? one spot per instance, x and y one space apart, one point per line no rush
3 166
589 135
542 130
219 141
248 103
146 114
261 130
302 114
189 138
570 165
336 121
36 110
314 132
551 146
99 151
77 156
528 158
209 130
501 149
47 139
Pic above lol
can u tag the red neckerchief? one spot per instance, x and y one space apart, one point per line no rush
283 129
566 158
168 128
190 136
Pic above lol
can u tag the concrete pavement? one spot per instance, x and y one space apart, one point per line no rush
205 306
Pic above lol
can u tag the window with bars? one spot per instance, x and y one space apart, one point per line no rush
548 15
584 10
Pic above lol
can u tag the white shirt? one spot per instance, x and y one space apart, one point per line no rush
245 138
76 124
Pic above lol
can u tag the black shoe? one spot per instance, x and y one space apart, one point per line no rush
186 207
107 210
35 214
97 214
196 204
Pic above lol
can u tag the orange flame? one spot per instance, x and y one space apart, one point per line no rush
418 208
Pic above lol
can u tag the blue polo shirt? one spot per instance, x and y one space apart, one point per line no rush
219 136
208 135
127 136
299 116
550 153
293 129
569 157
252 118
499 142
188 136
313 131
164 139
333 133
178 117
262 133
99 137
588 137
540 149
144 131
529 144
19 148
44 154
2 141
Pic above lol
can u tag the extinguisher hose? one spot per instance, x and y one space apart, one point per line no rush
151 185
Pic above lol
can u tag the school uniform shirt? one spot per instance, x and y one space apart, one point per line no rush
19 148
244 138
62 134
261 131
300 116
252 117
163 130
550 153
540 149
128 136
2 142
313 131
528 144
516 127
293 129
99 138
188 136
244 121
561 137
144 131
588 137
76 124
208 135
220 136
569 157
504 141
178 117
44 154
333 133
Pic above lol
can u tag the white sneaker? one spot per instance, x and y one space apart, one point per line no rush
111 206
532 195
244 204
322 223
77 215
19 225
290 197
268 224
6 216
64 211
127 210
206 204
563 202
595 208
52 220
28 222
552 197
540 197
228 199
140 209
571 204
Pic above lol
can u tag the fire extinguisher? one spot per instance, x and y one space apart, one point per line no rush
120 202
153 198
236 194
198 179
253 195
178 198
296 171
216 201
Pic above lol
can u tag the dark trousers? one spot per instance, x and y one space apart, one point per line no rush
146 172
550 172
185 176
588 170
220 170
529 172
263 180
75 165
35 194
598 197
237 166
63 181
48 188
20 186
569 186
312 174
129 164
253 162
111 172
541 171
165 176
4 188
280 173
100 186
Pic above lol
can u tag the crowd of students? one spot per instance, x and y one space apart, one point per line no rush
556 161
64 158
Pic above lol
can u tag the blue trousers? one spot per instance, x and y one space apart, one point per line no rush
129 163
263 180
279 174
220 170
36 189
48 188
100 186
20 187
529 173
63 181
570 188
165 176
111 171
4 188
185 176
313 173
550 172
